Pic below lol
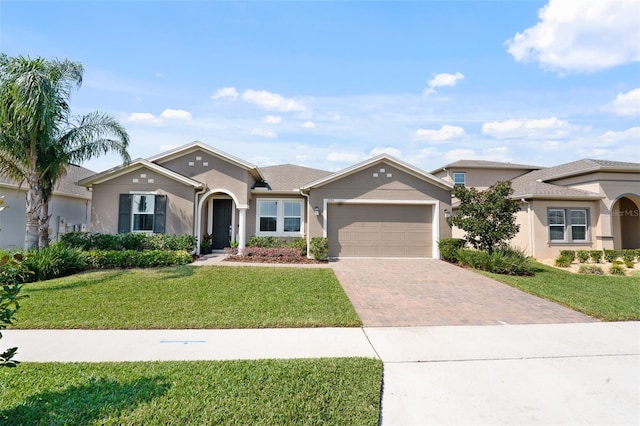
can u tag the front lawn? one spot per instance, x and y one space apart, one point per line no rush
608 298
343 391
189 297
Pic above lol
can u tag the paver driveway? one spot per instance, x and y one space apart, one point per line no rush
419 292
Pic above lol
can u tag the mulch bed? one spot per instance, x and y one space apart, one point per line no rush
279 259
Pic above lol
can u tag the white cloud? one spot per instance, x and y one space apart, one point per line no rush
272 101
267 133
631 135
443 80
523 128
343 157
445 133
491 154
272 119
394 152
308 125
581 36
144 118
625 103
226 93
460 154
175 114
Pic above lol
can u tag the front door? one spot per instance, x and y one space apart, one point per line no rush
221 224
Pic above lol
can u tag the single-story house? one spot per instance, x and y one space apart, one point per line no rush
582 205
380 207
69 207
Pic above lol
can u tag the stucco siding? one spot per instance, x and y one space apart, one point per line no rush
481 178
179 213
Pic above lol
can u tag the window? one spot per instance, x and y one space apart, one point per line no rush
575 230
279 217
142 213
459 178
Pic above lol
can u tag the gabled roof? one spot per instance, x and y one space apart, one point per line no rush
197 145
581 167
135 165
482 164
408 168
289 177
66 185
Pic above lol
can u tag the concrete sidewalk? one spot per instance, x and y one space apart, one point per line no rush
579 373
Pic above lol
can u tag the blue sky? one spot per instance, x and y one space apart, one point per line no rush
329 84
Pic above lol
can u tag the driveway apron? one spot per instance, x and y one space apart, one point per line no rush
423 292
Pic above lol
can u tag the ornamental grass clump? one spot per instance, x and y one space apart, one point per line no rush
562 261
617 269
591 270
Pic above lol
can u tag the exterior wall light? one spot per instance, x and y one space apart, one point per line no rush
316 210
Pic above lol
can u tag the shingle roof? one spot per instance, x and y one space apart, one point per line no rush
539 183
287 177
67 184
482 164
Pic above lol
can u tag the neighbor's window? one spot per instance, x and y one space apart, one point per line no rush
575 230
459 178
280 217
142 212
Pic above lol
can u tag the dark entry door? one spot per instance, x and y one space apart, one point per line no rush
221 223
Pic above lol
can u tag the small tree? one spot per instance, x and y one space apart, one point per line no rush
488 217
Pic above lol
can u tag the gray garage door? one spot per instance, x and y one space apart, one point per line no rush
379 230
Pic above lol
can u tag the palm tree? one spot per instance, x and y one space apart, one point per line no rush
38 137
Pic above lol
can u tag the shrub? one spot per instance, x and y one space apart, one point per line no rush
616 269
448 248
562 261
590 269
611 255
583 256
106 259
129 241
570 254
286 252
596 255
628 255
55 261
279 242
319 248
12 275
629 264
637 254
505 261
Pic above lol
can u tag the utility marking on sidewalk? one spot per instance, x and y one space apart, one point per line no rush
184 342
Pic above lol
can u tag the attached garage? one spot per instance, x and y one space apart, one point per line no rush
380 230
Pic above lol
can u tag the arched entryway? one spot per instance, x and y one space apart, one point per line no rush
220 219
626 222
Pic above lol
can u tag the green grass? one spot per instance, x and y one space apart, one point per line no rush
189 297
342 391
608 298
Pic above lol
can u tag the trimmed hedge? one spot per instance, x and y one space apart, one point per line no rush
129 241
106 259
279 242
319 248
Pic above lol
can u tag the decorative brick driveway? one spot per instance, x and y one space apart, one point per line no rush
419 292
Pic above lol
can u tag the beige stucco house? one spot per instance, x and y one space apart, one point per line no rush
69 207
380 207
582 205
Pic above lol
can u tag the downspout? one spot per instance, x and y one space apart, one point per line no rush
308 222
196 222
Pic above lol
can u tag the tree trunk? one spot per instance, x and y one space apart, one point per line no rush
44 224
33 209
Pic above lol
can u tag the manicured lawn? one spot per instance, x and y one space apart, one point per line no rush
343 391
189 297
608 298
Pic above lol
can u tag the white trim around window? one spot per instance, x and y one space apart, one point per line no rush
283 217
459 178
568 225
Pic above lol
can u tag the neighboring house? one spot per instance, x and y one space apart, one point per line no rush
69 207
582 205
380 207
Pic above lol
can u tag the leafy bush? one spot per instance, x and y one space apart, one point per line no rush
279 242
55 261
616 269
628 255
287 252
128 241
448 248
629 264
611 255
562 261
596 255
583 256
571 254
637 254
106 259
504 261
12 275
319 248
590 269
